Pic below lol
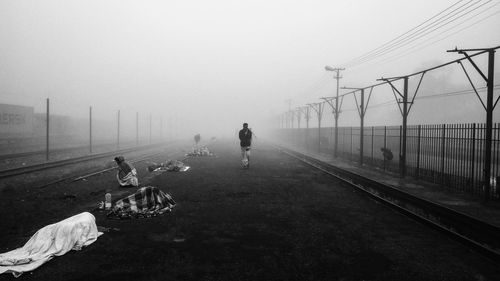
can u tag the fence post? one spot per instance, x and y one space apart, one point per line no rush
385 143
473 156
47 132
90 129
400 156
118 132
350 158
418 150
443 147
372 142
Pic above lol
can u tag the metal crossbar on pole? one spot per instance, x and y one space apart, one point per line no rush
318 107
489 107
405 103
361 107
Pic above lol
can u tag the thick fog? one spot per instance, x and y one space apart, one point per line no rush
192 66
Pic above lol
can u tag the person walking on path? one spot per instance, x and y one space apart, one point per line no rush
245 136
197 138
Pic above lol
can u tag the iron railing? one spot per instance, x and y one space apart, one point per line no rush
451 155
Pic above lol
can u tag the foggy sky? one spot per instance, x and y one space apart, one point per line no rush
212 65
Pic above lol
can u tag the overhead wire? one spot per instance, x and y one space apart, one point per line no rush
443 21
315 86
391 41
438 21
442 24
418 33
414 48
457 93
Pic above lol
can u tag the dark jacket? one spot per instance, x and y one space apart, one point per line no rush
245 137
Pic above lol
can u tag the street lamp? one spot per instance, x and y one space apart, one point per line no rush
336 113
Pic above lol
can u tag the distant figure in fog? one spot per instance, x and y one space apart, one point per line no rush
387 153
245 136
127 175
197 138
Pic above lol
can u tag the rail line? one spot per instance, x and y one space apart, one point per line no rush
478 235
73 178
53 164
52 151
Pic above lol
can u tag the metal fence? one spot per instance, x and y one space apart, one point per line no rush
451 155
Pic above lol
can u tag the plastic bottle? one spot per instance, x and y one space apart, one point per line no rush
107 204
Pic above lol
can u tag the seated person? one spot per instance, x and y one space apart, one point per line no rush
127 175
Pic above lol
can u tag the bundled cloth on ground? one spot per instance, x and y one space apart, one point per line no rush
170 165
147 201
52 240
200 151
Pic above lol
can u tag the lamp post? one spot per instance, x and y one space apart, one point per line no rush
336 111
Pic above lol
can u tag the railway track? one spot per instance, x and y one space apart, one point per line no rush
54 164
479 236
10 156
73 178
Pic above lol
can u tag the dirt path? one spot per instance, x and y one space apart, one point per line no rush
279 220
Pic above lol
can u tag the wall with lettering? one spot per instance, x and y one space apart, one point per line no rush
15 121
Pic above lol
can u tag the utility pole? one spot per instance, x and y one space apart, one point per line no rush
405 111
336 111
289 101
307 115
489 107
318 107
361 106
299 116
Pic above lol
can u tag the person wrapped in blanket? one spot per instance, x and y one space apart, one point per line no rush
127 175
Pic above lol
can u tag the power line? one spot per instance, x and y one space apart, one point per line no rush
457 93
447 94
315 86
442 21
411 37
412 49
388 43
425 32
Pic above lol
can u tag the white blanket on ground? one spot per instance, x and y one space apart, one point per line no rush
52 240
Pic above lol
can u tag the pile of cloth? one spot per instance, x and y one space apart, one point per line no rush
52 240
169 165
200 151
148 201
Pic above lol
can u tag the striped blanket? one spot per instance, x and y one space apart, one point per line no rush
147 201
128 179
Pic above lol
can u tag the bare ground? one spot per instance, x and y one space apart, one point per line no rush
279 220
